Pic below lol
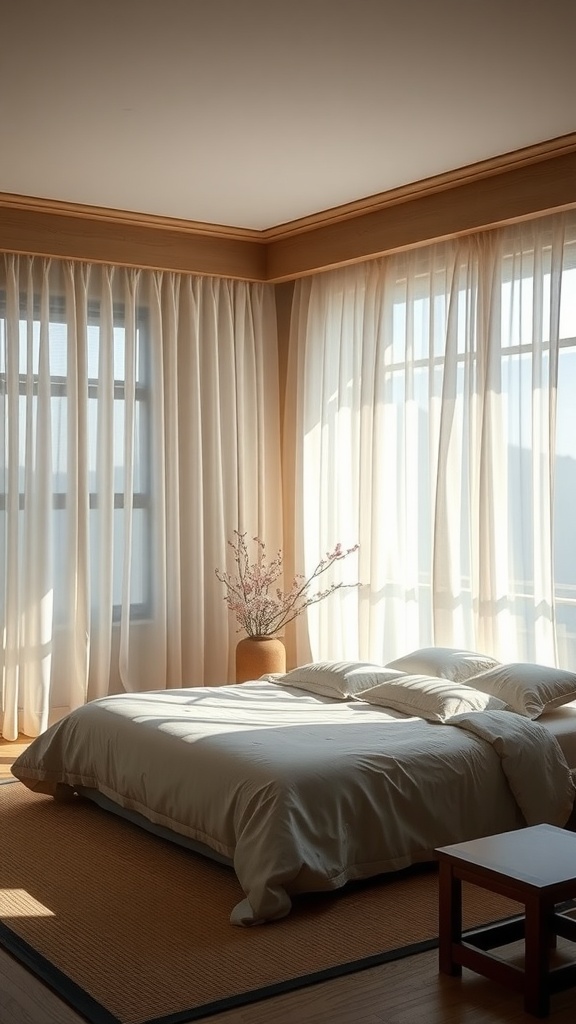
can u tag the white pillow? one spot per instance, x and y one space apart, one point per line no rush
527 688
339 679
446 662
437 700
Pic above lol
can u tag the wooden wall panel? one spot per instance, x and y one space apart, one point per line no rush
105 240
497 198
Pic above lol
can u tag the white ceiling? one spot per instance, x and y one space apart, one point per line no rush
252 113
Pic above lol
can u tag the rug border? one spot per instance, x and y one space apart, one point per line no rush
96 1013
257 995
63 986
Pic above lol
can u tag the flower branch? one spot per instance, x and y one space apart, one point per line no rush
260 606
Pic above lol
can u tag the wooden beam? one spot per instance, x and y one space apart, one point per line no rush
442 211
526 183
50 229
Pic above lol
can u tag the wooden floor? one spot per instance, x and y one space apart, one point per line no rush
8 753
408 991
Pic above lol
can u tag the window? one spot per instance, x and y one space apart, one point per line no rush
531 406
73 385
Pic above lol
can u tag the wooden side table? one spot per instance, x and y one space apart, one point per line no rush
535 866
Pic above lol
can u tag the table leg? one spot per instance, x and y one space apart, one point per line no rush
450 918
537 957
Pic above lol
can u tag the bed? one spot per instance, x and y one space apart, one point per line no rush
330 773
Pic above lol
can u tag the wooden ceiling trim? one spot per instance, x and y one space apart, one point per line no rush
525 183
551 148
67 234
525 191
127 217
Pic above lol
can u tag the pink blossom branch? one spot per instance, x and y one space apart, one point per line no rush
250 594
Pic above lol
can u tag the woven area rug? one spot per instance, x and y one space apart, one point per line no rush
131 929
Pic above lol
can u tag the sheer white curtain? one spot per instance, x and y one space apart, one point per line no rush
140 427
433 407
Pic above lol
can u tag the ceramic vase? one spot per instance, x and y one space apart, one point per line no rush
258 655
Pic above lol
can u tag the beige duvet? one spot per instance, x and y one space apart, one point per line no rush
299 792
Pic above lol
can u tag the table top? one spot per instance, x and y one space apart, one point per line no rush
539 855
